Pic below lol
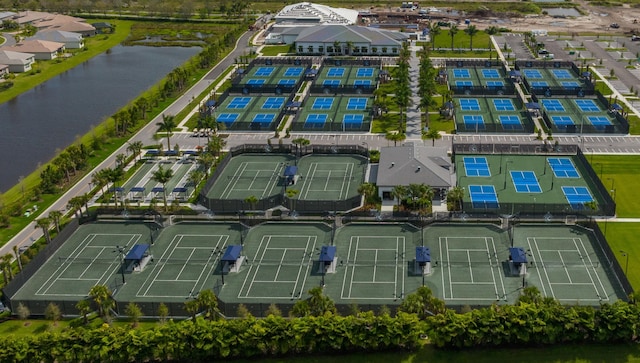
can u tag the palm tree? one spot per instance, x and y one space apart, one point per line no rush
114 176
434 30
84 308
349 47
395 137
399 192
7 259
336 47
252 200
432 135
368 191
17 253
135 148
454 197
291 193
55 216
44 223
167 125
75 204
163 176
206 160
452 33
471 31
101 295
299 143
215 145
195 177
423 303
208 301
491 31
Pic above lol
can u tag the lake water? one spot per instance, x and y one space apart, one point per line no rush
40 122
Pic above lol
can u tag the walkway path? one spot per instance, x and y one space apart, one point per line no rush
413 114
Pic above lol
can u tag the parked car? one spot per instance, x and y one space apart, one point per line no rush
635 37
614 25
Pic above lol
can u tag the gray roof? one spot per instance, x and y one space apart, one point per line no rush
6 14
414 164
351 33
60 36
15 58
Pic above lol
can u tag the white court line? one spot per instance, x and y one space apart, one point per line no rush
546 273
346 270
350 168
234 180
353 269
566 271
275 175
470 269
306 183
604 291
157 269
495 254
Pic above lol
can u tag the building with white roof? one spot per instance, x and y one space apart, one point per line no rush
69 39
351 40
17 62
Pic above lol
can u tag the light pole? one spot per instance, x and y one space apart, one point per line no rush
506 171
600 175
626 264
613 183
120 250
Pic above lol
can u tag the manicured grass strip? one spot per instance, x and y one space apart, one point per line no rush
619 172
623 236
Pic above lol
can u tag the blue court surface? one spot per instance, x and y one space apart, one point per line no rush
553 105
264 71
322 103
495 84
315 120
577 196
562 120
357 104
362 82
587 106
563 168
293 72
561 73
352 120
255 82
265 119
510 122
464 83
273 103
483 196
525 182
476 166
227 118
335 72
239 102
331 82
364 72
539 84
473 121
599 120
461 73
469 104
503 104
532 73
570 84
490 73
287 82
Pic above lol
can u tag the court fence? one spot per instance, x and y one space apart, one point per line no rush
528 125
234 206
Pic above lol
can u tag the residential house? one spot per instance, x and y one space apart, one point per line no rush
69 39
41 49
17 62
413 163
103 27
6 15
4 70
351 40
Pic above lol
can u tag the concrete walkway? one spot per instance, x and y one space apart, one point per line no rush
413 114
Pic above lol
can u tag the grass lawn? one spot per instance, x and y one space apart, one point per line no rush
441 124
460 40
621 236
274 50
619 172
553 354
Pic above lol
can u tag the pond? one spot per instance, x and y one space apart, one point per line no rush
39 123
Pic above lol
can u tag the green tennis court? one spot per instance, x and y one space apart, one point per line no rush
258 175
330 177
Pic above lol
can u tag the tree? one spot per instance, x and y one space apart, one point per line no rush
23 312
243 312
491 31
55 216
252 200
395 137
291 193
215 145
163 176
368 191
16 252
299 143
135 148
454 198
273 310
452 33
208 302
432 135
44 223
434 30
423 303
134 313
101 295
399 192
471 31
7 273
52 312
206 160
84 308
195 176
167 125
318 304
336 47
163 313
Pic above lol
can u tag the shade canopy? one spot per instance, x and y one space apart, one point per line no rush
518 255
232 253
327 253
137 252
